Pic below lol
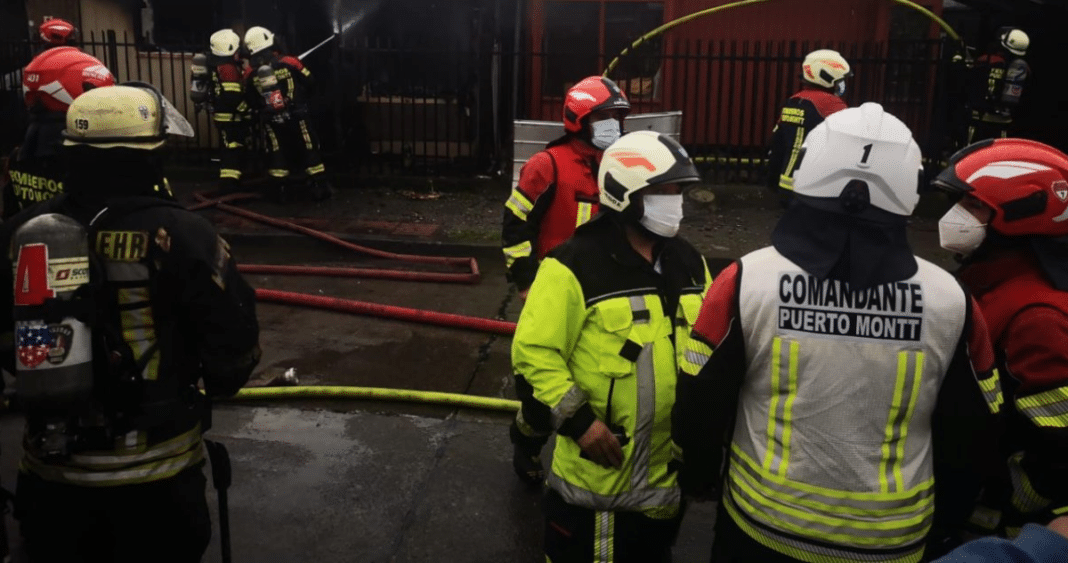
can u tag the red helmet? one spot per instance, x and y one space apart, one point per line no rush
1024 181
591 94
55 77
57 32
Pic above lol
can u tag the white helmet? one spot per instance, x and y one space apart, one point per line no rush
639 160
860 157
824 67
224 43
117 116
257 39
1015 41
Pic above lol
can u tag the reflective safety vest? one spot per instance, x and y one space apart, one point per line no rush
601 332
831 458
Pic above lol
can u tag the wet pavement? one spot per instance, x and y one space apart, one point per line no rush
331 480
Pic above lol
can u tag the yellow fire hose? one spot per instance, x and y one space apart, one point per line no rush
709 11
380 393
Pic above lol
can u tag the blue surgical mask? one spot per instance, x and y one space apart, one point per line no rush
839 88
605 132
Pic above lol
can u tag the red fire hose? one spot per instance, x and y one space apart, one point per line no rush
353 306
470 263
388 311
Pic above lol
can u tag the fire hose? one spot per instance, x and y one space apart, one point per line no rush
380 393
364 308
709 11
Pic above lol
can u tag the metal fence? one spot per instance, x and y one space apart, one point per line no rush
383 109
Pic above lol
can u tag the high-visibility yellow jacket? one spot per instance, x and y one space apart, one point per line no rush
597 340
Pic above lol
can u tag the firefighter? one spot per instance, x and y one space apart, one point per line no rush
1009 228
823 82
57 33
598 341
50 82
557 191
995 83
228 106
858 379
118 300
283 86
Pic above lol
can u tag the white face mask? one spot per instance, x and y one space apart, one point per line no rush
605 132
840 88
663 213
959 231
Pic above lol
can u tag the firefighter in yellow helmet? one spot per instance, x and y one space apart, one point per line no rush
221 81
837 390
117 302
598 342
823 82
281 86
995 84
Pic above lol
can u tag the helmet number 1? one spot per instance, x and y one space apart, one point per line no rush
31 275
867 153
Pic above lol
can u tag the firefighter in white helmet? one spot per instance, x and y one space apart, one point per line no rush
116 302
598 341
844 379
994 86
823 82
280 87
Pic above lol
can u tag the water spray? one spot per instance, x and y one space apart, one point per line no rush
338 32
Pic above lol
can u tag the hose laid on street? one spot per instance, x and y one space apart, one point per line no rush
468 262
709 11
388 311
352 306
380 393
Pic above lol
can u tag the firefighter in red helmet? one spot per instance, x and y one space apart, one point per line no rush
557 191
51 81
57 33
1010 229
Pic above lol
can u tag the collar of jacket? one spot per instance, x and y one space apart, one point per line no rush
833 245
610 233
1044 254
581 148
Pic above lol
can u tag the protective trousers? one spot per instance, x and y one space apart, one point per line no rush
163 521
292 142
987 126
574 534
232 151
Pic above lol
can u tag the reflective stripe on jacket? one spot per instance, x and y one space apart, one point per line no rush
800 114
594 342
835 396
557 192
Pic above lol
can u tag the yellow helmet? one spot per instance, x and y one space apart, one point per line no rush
824 67
257 39
117 116
224 43
1015 41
